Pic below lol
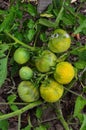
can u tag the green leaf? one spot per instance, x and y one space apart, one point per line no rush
3 69
27 128
31 23
32 10
41 127
8 19
81 27
11 98
4 124
31 34
46 22
83 126
80 64
3 48
13 107
43 37
79 105
39 112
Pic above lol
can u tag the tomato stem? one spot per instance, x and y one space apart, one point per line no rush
20 42
60 116
20 111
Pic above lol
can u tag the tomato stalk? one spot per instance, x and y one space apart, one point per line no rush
60 116
20 42
20 111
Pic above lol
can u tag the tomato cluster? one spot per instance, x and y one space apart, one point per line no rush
46 77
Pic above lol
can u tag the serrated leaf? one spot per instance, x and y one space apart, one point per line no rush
11 98
31 23
31 34
79 105
32 10
27 128
80 64
3 48
43 37
8 19
41 127
46 22
81 27
13 107
4 125
3 70
83 126
39 112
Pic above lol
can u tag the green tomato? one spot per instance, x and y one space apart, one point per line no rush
25 73
59 41
21 55
45 61
28 92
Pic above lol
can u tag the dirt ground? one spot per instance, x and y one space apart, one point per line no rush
49 114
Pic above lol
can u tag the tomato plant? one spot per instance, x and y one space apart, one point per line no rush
43 62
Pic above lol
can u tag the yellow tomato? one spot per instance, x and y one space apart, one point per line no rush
64 72
51 91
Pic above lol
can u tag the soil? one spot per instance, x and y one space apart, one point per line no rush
49 116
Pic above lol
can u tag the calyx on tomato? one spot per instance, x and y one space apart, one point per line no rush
45 61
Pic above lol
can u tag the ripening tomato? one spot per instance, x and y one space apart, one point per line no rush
64 72
51 91
28 92
45 61
59 41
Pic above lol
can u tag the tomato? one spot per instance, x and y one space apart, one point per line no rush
28 92
21 55
64 72
59 41
51 91
25 73
45 61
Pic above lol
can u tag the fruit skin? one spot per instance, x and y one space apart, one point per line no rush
60 41
21 55
51 91
45 61
64 72
25 73
28 92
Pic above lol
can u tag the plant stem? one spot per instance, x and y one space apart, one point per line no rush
16 103
20 42
18 112
60 116
19 122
